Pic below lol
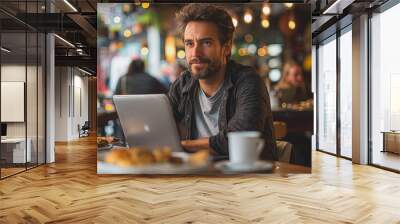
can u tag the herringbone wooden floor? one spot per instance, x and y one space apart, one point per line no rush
70 191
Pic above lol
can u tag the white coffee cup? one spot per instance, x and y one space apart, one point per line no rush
244 147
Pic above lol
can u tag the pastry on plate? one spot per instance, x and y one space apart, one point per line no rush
162 154
199 157
141 156
116 155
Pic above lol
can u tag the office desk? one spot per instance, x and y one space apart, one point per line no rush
391 141
13 150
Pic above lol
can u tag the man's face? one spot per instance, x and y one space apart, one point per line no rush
204 54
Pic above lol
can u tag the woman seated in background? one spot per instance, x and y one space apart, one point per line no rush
291 88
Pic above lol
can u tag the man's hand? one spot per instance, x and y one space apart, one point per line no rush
196 145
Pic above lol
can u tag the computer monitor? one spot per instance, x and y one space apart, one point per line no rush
3 129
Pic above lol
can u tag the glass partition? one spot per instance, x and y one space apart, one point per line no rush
14 153
22 89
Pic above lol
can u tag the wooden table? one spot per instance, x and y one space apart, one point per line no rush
297 121
281 168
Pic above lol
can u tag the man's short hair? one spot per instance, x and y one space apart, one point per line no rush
207 13
136 66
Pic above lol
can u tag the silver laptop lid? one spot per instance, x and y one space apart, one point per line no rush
147 120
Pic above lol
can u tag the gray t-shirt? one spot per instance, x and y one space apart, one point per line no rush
206 111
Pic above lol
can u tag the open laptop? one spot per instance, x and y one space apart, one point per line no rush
147 120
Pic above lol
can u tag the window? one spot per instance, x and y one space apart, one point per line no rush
385 85
327 96
346 94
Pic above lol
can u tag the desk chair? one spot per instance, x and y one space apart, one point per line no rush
84 130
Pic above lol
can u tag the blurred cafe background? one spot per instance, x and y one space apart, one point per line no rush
273 38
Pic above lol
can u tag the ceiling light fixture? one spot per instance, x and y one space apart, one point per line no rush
84 71
337 7
70 5
5 50
65 41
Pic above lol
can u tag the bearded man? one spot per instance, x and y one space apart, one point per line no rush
216 95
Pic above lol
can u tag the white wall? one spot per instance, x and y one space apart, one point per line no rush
71 93
14 73
61 104
34 124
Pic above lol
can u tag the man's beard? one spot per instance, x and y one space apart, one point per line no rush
212 68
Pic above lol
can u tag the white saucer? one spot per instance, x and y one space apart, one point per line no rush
228 167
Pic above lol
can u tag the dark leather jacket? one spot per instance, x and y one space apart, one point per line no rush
245 107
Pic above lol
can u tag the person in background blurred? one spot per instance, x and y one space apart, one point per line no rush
137 81
291 87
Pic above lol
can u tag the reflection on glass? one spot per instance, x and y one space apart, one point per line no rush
41 99
327 97
345 94
31 97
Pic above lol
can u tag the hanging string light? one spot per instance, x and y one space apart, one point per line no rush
181 54
248 17
266 10
127 33
291 22
289 5
145 5
144 51
265 23
117 19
